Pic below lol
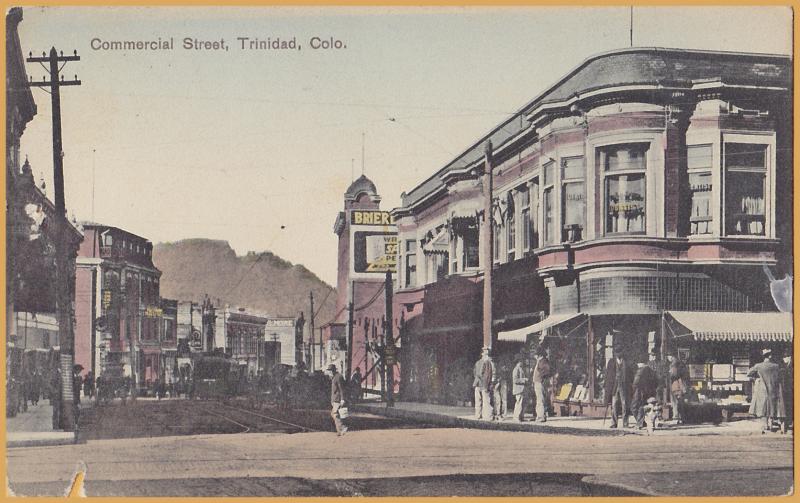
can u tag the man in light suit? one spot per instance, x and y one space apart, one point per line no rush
485 374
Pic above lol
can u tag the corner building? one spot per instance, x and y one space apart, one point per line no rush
640 202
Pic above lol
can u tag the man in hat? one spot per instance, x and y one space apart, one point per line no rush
484 375
541 381
770 374
338 390
616 387
519 386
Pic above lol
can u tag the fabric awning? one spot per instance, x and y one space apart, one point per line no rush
439 243
521 334
733 327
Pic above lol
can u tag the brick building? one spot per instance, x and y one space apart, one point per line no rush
118 313
643 187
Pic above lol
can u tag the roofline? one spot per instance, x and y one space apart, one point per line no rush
522 110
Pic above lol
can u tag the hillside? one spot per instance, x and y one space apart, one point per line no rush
265 282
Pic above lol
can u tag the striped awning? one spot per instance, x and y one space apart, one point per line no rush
732 327
521 334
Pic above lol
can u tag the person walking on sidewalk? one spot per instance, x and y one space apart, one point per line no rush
774 408
541 379
616 388
484 375
338 393
645 384
519 382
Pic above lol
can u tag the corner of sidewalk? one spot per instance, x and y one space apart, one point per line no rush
33 428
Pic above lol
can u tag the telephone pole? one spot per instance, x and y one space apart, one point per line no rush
311 331
350 313
389 350
66 336
488 246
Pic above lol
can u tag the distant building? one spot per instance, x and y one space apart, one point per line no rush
169 338
118 309
367 249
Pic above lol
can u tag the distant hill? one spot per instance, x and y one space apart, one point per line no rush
262 281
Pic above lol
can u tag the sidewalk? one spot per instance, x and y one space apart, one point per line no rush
34 428
463 417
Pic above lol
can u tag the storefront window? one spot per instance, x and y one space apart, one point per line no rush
745 174
411 262
625 186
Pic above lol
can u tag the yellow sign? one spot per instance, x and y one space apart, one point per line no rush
153 312
371 217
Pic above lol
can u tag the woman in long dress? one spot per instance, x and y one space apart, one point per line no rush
758 405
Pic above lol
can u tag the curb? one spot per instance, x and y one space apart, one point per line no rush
433 418
593 485
66 438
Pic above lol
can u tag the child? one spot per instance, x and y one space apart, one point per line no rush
652 415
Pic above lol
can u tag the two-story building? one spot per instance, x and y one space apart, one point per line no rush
637 203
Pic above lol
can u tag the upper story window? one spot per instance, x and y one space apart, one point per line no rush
573 198
108 240
699 159
745 188
525 216
511 228
411 262
623 167
471 249
547 196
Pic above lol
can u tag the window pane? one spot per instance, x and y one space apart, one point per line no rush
574 210
625 203
411 245
524 197
548 173
526 229
471 251
744 203
535 214
572 168
745 155
700 187
511 237
548 215
626 156
698 156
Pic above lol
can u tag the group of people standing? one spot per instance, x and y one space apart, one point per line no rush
491 386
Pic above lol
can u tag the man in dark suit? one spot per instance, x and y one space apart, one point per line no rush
338 391
616 387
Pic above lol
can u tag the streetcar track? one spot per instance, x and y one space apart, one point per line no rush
306 428
246 428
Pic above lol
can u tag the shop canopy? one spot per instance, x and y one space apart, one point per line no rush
732 327
521 334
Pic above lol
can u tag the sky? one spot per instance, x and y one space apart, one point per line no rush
257 147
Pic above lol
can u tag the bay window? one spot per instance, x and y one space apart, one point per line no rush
745 175
573 199
699 158
623 168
